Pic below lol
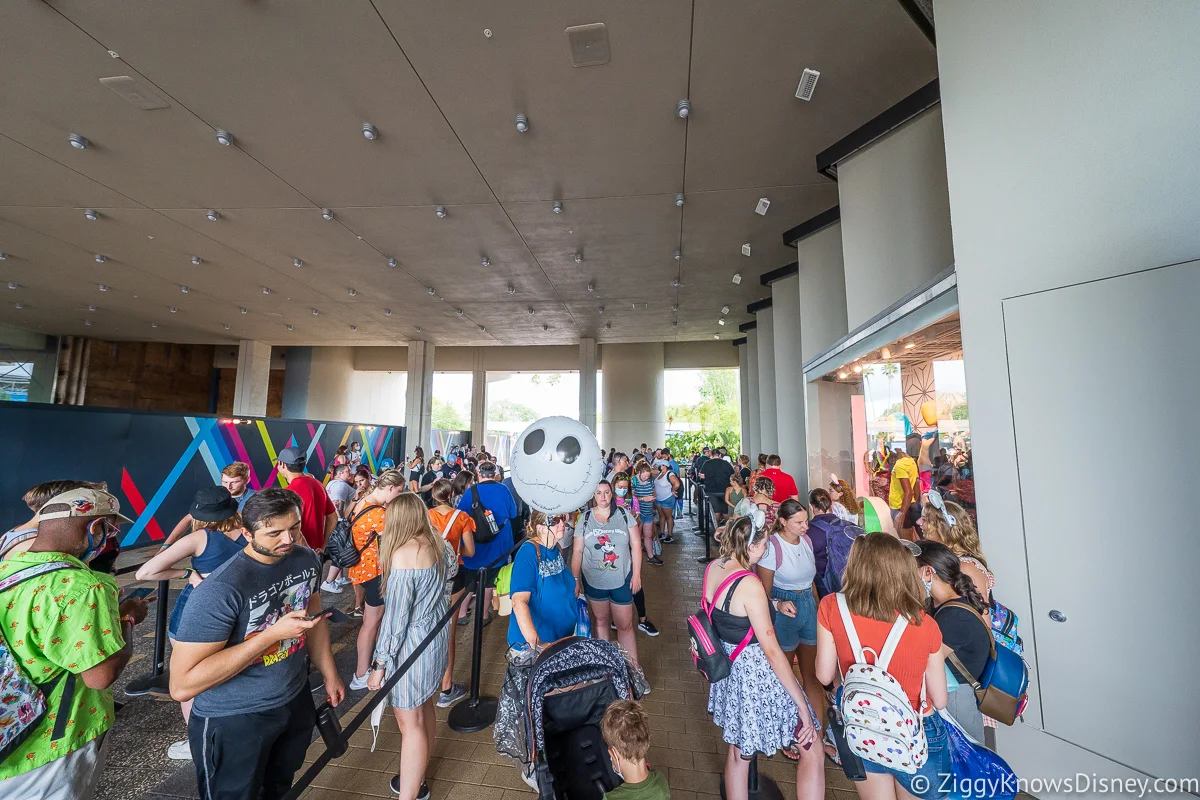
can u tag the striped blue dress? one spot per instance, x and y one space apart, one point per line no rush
414 602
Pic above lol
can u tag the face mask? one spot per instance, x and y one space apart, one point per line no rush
621 492
928 587
95 542
616 765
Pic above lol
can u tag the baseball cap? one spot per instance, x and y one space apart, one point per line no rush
291 456
84 503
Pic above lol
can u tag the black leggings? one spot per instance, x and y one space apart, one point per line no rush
639 600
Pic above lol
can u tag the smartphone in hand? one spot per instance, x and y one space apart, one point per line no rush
327 612
142 592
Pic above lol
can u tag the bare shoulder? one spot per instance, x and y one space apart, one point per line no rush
414 555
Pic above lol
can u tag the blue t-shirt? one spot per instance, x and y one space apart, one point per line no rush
552 593
497 499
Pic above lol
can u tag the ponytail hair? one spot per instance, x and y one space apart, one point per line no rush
787 509
945 564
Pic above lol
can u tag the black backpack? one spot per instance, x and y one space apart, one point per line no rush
486 528
339 547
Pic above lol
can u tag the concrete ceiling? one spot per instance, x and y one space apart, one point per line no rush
294 81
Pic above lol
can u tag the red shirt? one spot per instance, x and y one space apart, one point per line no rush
912 654
315 507
785 485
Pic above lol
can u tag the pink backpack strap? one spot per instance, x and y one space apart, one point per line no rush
742 645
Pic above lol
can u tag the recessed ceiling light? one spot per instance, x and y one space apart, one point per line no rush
387 312
591 287
724 309
196 260
716 336
369 131
420 329
683 109
90 214
289 327
608 326
172 309
458 311
315 312
675 282
78 142
737 277
482 329
353 328
352 292
3 256
529 311
763 205
675 307
485 261
886 352
843 375
266 290
91 307
746 249
601 309
12 285
558 207
213 215
102 287
184 289
225 325
242 310
522 123
297 262
153 324
545 327
678 255
721 322
101 258
440 211
857 368
432 291
579 258
224 138
87 323
674 323
393 263
326 214
512 289
679 199
909 345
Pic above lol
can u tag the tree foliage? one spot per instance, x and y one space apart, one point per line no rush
509 411
718 414
447 418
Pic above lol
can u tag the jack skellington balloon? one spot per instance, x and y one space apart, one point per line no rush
556 465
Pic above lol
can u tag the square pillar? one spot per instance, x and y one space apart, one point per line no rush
789 379
418 408
768 428
753 445
744 396
253 377
587 383
478 399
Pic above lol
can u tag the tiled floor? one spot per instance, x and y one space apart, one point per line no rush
685 743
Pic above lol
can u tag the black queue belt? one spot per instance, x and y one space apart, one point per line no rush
158 680
482 711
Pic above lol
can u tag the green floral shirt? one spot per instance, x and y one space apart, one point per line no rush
63 620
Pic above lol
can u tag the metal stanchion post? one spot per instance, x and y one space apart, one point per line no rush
475 713
705 529
758 787
158 680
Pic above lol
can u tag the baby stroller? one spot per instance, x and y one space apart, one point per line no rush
571 684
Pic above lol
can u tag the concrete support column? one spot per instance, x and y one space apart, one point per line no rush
789 378
744 395
634 395
253 377
754 442
829 435
478 399
418 404
295 382
768 428
587 383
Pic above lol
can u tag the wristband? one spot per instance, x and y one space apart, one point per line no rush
187 573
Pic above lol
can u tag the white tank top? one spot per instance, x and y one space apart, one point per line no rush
663 489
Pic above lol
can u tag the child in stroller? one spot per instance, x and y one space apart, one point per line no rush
571 684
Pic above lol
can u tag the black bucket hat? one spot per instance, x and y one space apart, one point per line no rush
213 504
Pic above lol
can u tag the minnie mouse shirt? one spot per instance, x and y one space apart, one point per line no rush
606 553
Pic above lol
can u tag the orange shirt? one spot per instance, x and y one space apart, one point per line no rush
368 563
462 523
911 657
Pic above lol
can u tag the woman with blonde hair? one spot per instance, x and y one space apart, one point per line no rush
414 563
882 587
367 518
950 524
760 706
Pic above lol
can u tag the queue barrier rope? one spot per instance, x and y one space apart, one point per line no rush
389 683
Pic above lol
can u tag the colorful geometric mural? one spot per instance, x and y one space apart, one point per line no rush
154 463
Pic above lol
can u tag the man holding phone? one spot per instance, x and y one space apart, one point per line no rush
240 653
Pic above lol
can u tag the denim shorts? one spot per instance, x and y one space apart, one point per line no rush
800 629
621 596
668 503
646 512
929 778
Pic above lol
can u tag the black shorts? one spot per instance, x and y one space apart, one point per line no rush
373 591
469 576
717 501
459 581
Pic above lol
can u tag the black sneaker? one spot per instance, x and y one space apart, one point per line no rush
422 793
667 540
647 627
655 560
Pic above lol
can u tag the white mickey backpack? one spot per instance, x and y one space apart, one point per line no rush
881 725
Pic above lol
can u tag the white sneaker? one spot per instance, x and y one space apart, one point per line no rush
529 779
343 581
331 587
180 751
357 684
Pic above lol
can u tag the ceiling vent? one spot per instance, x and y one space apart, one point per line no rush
746 249
763 205
135 93
808 84
589 44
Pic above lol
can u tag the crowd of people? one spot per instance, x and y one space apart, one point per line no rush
798 592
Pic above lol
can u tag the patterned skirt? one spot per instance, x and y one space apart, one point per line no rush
754 711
